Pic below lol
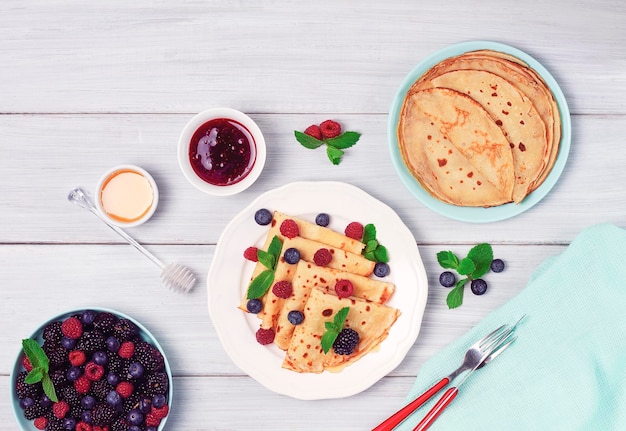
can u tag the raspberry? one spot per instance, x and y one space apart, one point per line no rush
126 350
41 423
289 228
283 289
160 412
94 371
72 328
265 336
322 257
83 426
251 253
354 230
125 389
82 384
344 288
314 130
26 364
77 358
152 420
60 409
330 129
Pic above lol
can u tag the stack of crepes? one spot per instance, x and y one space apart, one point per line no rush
314 295
480 129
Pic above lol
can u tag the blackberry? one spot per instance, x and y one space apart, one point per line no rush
346 341
24 389
70 396
91 342
120 424
52 332
59 378
56 354
103 414
124 330
54 424
35 411
116 364
100 389
149 356
156 383
104 322
132 402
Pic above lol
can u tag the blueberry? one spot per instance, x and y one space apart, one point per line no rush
497 265
254 306
45 401
447 279
100 358
263 217
158 400
68 343
134 428
69 423
86 416
134 417
135 370
145 404
114 398
88 402
73 373
479 286
295 317
322 219
88 317
291 255
27 402
381 269
113 344
113 379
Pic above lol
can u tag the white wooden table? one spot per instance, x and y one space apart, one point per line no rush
85 86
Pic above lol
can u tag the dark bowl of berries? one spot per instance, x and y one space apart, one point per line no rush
91 370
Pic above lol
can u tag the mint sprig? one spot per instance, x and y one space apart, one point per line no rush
373 250
41 367
334 146
474 266
269 259
333 329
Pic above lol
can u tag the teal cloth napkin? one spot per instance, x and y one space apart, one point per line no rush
567 369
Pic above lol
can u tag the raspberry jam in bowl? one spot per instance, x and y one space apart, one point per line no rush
221 151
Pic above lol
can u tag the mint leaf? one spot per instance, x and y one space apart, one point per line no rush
333 329
260 284
371 245
345 140
334 154
268 260
381 254
447 259
35 375
455 297
370 255
48 388
275 247
308 141
35 354
466 266
481 255
328 339
369 233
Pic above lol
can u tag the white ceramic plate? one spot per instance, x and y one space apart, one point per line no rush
476 214
230 273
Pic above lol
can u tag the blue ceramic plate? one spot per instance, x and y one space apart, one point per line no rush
473 214
27 425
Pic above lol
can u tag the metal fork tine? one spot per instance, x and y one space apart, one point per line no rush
502 347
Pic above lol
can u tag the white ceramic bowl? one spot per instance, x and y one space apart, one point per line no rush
27 425
115 171
184 143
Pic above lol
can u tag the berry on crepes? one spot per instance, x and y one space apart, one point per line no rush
289 228
265 336
282 289
322 257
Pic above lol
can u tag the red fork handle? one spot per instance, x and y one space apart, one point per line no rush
437 409
405 411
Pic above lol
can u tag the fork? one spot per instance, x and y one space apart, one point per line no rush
474 358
